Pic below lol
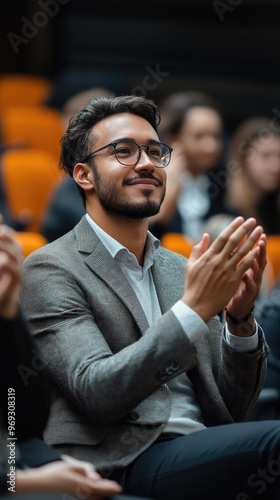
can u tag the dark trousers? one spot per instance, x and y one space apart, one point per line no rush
238 461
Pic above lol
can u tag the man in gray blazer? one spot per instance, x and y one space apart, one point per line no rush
147 383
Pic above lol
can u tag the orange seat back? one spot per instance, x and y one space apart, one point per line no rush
273 253
182 244
28 179
38 127
17 89
30 241
177 242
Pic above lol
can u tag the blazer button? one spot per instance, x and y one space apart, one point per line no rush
134 415
173 368
162 375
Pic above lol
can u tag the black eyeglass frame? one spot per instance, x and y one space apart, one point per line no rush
119 141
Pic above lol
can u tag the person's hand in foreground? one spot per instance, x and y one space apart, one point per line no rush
69 475
11 260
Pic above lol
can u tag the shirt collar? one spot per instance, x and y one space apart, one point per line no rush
116 249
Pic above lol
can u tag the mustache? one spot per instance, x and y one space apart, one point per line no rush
143 176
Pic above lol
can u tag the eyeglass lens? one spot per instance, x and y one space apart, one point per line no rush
128 153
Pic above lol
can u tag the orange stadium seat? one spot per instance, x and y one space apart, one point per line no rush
17 89
177 242
35 126
28 177
182 244
30 241
273 253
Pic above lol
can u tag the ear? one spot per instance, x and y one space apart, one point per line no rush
83 176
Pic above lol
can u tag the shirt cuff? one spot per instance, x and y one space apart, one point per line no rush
243 344
190 321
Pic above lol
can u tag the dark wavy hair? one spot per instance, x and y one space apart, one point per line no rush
76 144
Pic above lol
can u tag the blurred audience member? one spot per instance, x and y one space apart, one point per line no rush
193 126
268 314
267 311
23 386
66 206
17 223
216 224
253 188
79 100
27 463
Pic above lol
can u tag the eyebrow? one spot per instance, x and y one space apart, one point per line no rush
130 139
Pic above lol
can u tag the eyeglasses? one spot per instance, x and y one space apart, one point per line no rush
128 153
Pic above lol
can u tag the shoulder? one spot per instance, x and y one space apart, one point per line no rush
55 248
66 244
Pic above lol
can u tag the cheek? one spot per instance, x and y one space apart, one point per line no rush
256 170
191 147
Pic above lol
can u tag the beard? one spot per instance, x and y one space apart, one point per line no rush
110 201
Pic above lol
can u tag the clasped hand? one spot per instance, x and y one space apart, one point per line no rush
11 260
227 273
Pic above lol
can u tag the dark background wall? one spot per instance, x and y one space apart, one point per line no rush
229 49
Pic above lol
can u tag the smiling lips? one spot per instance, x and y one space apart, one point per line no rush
146 181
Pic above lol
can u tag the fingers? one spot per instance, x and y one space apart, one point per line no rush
238 239
11 259
94 481
237 253
9 245
262 258
104 486
233 236
92 485
220 242
84 467
247 262
199 248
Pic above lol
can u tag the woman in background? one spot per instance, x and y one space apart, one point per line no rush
253 187
193 126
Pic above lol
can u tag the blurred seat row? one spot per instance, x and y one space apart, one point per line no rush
182 244
29 163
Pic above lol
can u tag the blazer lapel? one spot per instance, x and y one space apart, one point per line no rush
168 280
100 261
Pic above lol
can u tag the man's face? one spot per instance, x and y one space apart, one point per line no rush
134 192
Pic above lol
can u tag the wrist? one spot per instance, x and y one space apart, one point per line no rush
242 326
237 320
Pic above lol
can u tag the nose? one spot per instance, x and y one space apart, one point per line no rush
211 145
144 162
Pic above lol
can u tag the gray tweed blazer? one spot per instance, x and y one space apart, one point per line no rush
108 367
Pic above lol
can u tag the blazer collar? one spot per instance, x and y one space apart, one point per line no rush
168 282
100 261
